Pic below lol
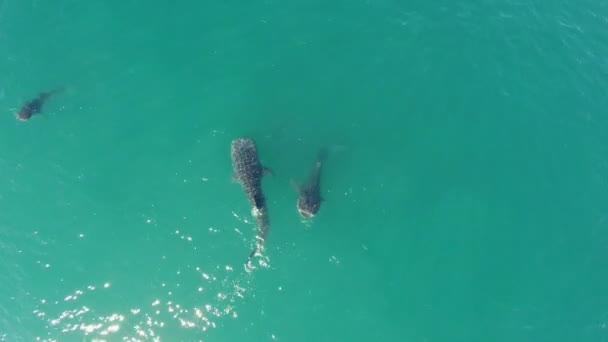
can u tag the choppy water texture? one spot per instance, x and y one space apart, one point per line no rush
470 203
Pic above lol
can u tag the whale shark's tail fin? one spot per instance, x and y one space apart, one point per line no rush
325 151
263 224
46 94
259 246
321 155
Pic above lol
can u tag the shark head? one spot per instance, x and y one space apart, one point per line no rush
308 206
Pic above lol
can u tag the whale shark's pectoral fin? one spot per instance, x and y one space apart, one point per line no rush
267 171
234 178
295 185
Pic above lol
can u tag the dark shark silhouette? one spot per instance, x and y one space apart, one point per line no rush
309 193
248 171
34 106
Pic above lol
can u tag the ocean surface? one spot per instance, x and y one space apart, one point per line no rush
467 198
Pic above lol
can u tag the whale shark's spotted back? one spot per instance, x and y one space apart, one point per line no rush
248 170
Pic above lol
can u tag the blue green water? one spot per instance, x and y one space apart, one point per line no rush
470 202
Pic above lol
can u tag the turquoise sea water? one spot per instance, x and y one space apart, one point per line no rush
470 202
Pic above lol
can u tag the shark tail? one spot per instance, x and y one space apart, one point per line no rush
259 245
263 224
46 94
255 250
322 155
324 152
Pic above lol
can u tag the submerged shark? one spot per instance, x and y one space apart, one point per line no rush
34 106
248 171
309 193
